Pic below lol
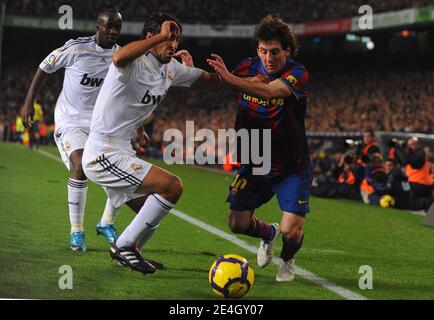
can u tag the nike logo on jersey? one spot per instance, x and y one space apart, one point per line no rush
151 99
93 82
302 201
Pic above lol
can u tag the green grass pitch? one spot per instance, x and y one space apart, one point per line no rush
340 236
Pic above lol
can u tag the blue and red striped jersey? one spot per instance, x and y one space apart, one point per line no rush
284 116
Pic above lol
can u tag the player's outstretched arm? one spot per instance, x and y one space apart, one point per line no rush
209 80
273 89
125 55
186 58
27 111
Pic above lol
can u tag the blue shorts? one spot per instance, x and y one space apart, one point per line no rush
249 192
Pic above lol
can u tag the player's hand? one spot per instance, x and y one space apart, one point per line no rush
143 138
186 58
27 114
170 30
219 66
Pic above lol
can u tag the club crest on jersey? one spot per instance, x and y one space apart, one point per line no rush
170 76
136 167
93 82
292 79
51 59
148 98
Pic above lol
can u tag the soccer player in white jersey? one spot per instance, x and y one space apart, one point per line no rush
86 61
140 76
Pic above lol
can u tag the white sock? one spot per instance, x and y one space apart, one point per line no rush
146 236
77 190
110 213
144 224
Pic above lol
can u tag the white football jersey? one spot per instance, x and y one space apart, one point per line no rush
129 95
86 65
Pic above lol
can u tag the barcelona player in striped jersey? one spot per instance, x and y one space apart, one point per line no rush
273 91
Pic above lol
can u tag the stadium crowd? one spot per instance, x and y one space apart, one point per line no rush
215 12
389 101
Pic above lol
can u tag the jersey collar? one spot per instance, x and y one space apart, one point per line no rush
101 49
153 59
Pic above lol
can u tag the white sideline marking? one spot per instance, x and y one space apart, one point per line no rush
345 293
49 155
419 213
324 251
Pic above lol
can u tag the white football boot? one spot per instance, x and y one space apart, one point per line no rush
266 249
286 271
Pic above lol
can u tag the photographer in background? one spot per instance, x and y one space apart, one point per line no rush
374 173
395 185
395 152
417 168
349 174
370 145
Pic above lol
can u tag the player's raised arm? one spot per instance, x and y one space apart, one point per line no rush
169 32
27 111
273 89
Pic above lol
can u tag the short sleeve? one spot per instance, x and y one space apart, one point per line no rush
130 70
184 76
62 57
296 79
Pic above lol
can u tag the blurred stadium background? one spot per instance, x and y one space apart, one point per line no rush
380 79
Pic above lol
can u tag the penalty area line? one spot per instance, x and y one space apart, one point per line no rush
343 292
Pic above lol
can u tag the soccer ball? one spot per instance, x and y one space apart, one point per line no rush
231 276
387 201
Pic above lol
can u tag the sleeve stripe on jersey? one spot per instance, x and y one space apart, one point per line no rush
290 88
71 41
74 43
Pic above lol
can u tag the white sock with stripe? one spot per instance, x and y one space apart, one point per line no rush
146 221
110 213
77 190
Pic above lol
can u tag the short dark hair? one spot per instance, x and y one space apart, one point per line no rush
154 22
370 131
273 27
390 160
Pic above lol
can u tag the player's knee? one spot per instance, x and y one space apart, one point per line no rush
236 225
174 189
77 171
292 235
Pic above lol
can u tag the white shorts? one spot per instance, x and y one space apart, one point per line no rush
113 164
68 140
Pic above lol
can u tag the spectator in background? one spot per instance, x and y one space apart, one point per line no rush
2 128
417 168
43 130
19 129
